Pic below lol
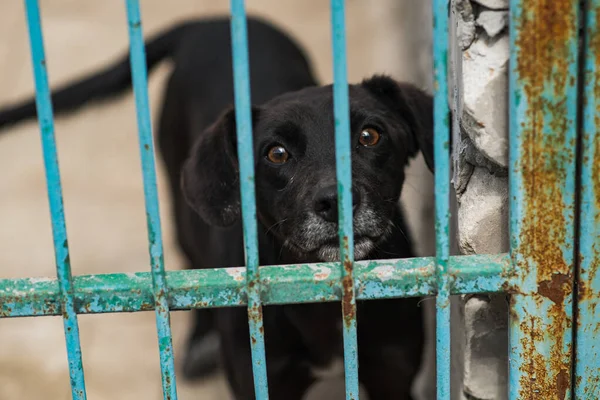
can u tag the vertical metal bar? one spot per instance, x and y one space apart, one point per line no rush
140 90
344 178
243 116
587 350
442 195
543 112
54 187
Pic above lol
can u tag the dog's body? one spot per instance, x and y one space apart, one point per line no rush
296 196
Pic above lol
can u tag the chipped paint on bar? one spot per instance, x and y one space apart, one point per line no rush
222 287
243 118
479 273
140 90
542 119
55 198
587 350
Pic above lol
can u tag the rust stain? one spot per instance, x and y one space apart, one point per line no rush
5 312
554 288
563 381
52 308
545 27
255 313
348 310
545 30
537 381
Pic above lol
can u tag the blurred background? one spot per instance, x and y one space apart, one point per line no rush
102 184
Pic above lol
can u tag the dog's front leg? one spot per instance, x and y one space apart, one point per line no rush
202 353
390 345
288 373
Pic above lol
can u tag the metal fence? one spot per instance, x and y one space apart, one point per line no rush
550 273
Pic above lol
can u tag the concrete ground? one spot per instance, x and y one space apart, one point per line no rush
102 183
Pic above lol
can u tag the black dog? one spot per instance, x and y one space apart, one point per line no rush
296 195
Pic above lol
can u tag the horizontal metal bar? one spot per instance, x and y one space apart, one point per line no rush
224 287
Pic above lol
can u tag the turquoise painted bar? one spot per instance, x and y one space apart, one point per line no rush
160 290
587 345
343 164
57 214
245 148
442 194
281 284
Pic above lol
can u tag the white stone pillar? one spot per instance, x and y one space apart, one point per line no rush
480 51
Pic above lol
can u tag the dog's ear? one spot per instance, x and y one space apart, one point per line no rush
413 106
210 175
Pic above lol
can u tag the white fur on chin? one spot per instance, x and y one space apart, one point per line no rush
332 253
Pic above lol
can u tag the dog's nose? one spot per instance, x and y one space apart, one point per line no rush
326 203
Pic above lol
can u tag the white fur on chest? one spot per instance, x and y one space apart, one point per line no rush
334 369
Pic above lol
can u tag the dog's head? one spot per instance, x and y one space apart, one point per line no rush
294 152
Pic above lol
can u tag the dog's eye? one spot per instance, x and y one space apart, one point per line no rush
369 137
278 154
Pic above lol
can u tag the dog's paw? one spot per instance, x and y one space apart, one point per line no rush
332 389
201 357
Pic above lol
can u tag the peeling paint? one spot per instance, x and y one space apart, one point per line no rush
238 274
321 272
384 273
37 280
107 293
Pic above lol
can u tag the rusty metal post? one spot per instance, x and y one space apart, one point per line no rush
543 109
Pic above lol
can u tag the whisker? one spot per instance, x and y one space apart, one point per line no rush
285 243
276 224
399 229
426 298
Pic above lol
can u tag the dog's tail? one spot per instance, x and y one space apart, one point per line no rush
107 83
